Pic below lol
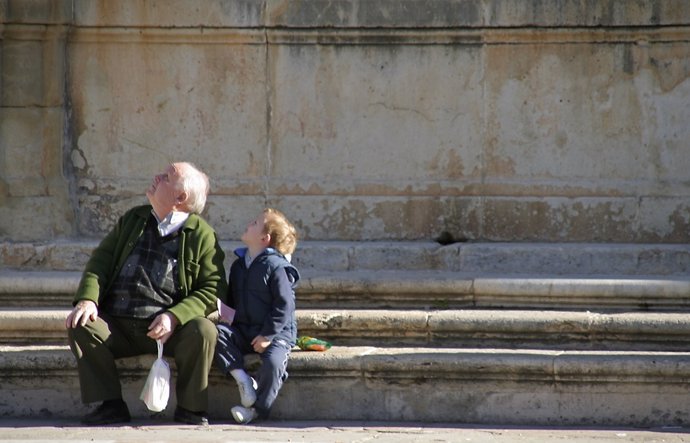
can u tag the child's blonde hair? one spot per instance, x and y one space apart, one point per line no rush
283 233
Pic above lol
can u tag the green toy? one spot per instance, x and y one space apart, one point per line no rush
307 343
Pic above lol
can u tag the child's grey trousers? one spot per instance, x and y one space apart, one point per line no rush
230 350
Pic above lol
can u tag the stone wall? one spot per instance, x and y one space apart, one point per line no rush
500 120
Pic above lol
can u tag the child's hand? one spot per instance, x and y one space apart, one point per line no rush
260 344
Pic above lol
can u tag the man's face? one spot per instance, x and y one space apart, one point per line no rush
165 191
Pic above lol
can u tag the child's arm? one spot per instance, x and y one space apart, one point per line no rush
283 306
226 302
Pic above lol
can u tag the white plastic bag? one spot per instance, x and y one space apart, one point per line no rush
157 388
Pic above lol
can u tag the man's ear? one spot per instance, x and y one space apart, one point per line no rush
181 199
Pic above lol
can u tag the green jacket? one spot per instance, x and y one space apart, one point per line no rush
201 270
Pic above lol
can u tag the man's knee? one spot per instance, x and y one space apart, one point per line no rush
74 339
200 330
79 335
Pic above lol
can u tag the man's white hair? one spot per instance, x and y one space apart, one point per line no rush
196 185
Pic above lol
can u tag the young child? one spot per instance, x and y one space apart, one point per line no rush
261 283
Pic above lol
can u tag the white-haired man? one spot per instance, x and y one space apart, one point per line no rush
155 276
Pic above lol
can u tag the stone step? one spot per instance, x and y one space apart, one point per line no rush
492 386
414 290
441 290
563 330
515 329
38 288
500 258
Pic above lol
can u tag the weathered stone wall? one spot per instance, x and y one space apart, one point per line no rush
34 197
508 120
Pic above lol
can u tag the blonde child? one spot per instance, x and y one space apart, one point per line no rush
261 291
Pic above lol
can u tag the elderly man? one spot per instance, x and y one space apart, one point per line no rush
155 276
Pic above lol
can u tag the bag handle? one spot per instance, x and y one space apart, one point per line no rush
160 348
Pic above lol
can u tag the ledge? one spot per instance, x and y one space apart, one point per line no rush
534 329
413 289
381 13
497 386
411 363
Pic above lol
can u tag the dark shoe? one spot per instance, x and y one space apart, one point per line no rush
191 418
109 412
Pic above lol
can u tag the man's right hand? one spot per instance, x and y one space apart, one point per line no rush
84 311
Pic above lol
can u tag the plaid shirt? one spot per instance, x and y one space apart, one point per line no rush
146 285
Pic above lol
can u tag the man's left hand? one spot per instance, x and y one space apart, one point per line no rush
162 327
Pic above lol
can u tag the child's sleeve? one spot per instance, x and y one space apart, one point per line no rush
283 306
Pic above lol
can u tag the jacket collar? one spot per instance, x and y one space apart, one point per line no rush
192 222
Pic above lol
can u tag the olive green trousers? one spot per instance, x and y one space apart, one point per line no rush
99 343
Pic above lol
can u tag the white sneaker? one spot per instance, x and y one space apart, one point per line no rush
247 391
243 415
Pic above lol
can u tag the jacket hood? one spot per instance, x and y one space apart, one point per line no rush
273 254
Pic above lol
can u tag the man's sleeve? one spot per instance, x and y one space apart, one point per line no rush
206 273
97 270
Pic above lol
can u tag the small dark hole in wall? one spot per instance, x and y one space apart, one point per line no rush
446 238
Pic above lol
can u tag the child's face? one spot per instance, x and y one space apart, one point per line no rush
254 235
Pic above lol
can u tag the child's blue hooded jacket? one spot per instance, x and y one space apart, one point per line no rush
263 296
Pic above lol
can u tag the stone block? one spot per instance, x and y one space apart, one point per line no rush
378 14
321 255
665 218
377 115
23 82
560 138
31 161
39 11
393 255
175 13
363 217
19 219
559 219
229 216
587 13
601 146
475 14
204 104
